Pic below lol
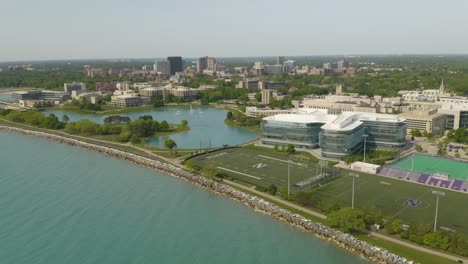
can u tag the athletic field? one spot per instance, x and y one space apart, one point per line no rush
264 168
408 201
431 164
399 199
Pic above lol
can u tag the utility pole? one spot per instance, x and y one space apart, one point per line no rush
354 175
289 176
438 193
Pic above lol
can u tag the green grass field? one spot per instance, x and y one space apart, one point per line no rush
262 168
389 195
430 164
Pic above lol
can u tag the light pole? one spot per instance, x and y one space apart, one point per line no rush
289 176
354 175
438 193
365 141
412 162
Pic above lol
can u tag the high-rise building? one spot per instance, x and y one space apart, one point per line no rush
163 66
259 68
201 64
211 63
280 60
289 65
342 64
175 64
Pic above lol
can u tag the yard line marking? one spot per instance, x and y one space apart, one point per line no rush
293 163
245 174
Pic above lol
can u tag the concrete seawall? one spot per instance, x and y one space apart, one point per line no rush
341 239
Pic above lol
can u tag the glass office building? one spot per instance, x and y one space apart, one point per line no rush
300 134
384 134
337 134
339 143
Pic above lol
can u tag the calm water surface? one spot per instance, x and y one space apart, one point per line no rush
207 126
64 205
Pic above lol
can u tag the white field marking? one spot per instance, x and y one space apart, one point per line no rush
259 165
385 183
285 161
245 174
417 198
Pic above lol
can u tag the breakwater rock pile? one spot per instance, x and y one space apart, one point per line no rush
341 239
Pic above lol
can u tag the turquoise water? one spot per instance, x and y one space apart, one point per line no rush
207 126
64 205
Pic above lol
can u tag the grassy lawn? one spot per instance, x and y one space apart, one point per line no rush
263 166
389 195
409 253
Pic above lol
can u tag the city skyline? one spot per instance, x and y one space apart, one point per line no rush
53 30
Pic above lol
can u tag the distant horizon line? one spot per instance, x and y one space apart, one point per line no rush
239 57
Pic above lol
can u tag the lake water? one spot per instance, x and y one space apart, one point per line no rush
207 126
61 204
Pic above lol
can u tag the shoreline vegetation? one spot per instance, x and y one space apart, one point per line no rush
346 241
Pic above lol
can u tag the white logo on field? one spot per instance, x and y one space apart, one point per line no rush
259 165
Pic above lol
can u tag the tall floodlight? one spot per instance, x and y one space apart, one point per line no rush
365 143
412 162
289 177
354 175
438 193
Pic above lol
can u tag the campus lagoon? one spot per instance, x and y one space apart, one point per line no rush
207 127
65 205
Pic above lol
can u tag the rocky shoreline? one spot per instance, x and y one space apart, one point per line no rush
341 239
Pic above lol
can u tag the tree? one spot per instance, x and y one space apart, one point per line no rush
157 102
164 126
276 147
436 240
419 148
395 227
290 149
229 115
272 189
170 144
184 123
347 220
65 119
210 170
258 97
416 133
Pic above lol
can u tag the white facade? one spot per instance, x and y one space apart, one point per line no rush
365 167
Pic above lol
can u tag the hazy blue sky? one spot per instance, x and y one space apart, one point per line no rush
63 29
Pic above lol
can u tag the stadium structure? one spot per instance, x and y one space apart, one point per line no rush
337 133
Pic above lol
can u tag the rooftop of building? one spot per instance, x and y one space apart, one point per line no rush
421 114
344 122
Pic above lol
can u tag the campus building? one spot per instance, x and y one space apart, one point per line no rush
456 109
430 121
74 86
338 134
45 95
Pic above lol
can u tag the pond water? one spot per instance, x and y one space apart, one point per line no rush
207 127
